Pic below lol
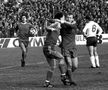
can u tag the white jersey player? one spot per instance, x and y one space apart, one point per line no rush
92 29
90 32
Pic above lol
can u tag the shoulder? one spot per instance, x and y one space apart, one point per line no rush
18 24
30 24
92 22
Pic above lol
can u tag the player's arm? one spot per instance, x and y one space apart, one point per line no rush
85 31
53 26
99 30
99 36
16 31
70 24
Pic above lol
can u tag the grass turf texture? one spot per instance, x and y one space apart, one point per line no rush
32 76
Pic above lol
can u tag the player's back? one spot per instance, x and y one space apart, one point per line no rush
91 29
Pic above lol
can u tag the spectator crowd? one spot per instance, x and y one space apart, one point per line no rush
40 10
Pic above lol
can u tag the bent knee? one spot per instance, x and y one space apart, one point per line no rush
53 67
62 62
75 66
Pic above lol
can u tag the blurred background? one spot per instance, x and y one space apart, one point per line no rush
40 10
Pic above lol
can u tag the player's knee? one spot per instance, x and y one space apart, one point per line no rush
69 63
53 67
75 62
95 53
74 68
51 70
69 68
62 62
61 57
24 51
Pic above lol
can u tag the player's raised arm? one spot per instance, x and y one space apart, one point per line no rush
70 22
47 26
53 26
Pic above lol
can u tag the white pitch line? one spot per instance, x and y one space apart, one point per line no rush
8 67
38 63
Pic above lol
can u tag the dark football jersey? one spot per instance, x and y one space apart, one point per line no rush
51 38
68 33
23 30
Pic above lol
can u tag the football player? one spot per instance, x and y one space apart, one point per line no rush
23 32
90 32
68 46
50 52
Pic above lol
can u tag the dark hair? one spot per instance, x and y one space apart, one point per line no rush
23 14
58 15
88 18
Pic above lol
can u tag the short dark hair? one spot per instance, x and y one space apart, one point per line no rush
23 14
58 15
88 18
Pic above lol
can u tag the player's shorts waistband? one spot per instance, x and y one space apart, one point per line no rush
91 36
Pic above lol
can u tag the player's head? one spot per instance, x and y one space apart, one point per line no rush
24 17
59 15
88 18
70 18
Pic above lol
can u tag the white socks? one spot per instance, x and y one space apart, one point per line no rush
92 59
95 61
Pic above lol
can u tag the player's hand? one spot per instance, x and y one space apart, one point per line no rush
63 21
74 22
15 35
99 39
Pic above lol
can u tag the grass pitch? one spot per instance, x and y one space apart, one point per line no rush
32 76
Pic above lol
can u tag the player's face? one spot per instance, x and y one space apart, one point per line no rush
24 19
70 18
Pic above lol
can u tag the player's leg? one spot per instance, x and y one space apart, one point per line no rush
61 61
96 57
52 65
68 61
73 53
69 70
74 63
91 53
62 68
24 53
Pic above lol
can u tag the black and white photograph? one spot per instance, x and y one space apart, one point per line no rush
53 44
